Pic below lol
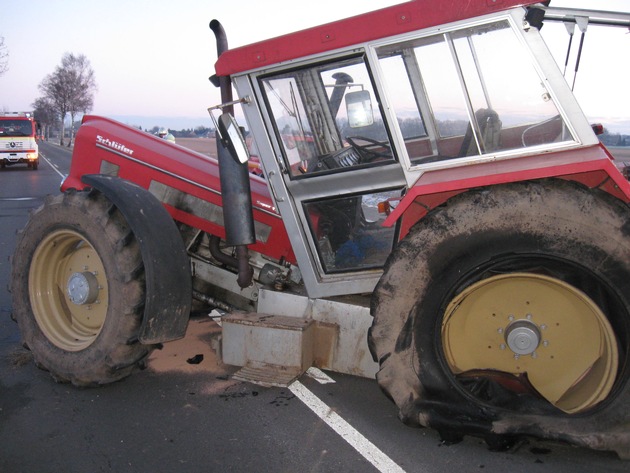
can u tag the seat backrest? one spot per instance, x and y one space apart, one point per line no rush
489 127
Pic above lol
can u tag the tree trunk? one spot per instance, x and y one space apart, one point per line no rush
63 127
71 128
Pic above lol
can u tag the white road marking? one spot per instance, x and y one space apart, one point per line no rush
53 166
17 199
367 449
319 376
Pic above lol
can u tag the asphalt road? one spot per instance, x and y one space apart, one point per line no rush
177 416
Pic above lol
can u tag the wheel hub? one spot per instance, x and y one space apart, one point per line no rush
533 324
69 290
83 288
522 337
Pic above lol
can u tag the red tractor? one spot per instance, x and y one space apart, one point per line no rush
435 211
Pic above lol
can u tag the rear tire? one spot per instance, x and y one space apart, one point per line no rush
78 290
477 282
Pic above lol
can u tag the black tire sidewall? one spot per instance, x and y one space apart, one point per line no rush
557 220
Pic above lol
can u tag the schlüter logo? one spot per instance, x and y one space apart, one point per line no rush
100 140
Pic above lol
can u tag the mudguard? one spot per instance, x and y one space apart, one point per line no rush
166 264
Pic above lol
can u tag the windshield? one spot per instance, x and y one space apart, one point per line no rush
16 128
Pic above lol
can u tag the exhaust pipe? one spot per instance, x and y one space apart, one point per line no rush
235 191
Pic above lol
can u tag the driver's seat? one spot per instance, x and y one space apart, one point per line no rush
490 134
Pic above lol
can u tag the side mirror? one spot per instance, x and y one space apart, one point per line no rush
359 109
598 128
232 138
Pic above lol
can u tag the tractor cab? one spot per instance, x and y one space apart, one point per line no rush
345 133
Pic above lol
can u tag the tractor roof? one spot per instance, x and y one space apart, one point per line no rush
397 19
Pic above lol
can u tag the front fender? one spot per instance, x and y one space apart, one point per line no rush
166 263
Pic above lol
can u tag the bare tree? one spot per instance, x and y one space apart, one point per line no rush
56 91
83 84
4 57
45 115
70 89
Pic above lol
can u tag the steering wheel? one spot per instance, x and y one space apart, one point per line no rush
369 151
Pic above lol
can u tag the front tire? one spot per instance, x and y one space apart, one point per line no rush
507 312
78 290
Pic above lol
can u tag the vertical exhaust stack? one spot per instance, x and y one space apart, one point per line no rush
234 176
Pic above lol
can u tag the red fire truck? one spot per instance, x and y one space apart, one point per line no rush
18 143
435 211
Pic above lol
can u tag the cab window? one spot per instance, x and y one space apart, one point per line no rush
348 231
327 118
467 93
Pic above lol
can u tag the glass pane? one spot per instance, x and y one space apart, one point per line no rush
408 113
310 107
512 107
290 117
443 88
421 75
480 73
348 231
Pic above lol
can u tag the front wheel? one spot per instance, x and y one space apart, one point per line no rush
78 290
507 312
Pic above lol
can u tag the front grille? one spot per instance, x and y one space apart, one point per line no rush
13 145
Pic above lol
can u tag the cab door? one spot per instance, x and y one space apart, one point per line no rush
331 166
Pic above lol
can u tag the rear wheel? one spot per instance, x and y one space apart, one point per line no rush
506 312
78 290
520 329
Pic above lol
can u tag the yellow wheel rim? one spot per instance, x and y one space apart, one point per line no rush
524 323
68 290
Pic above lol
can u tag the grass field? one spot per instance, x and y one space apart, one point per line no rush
207 146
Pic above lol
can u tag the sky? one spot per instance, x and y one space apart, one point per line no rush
152 58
